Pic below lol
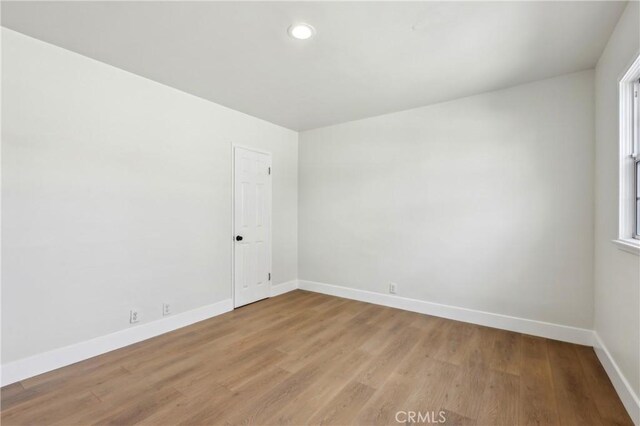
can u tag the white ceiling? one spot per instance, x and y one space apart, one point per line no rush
367 58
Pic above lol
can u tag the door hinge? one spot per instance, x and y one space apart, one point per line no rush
269 171
269 276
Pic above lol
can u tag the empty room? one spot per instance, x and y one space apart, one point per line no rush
320 212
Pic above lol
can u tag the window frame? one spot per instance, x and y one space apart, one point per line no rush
629 150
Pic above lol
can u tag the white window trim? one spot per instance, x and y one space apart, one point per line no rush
625 240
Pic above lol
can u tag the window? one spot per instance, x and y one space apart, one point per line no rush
635 155
629 209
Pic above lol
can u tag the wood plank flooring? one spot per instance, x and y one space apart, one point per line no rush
307 358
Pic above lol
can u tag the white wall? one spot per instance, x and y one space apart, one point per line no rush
117 194
617 273
484 202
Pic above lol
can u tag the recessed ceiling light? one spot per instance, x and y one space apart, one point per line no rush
301 31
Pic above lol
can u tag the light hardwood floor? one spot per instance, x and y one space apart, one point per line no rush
306 358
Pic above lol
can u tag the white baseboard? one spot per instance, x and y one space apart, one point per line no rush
41 363
565 333
620 383
32 366
278 289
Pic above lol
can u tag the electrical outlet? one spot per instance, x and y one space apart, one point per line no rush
393 288
166 309
134 316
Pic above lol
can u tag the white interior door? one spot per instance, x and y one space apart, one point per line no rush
252 226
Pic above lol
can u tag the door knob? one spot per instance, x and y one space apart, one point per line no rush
238 237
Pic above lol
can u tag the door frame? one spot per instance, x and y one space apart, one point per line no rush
234 146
